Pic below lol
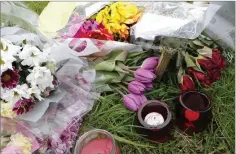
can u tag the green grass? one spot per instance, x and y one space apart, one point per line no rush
110 114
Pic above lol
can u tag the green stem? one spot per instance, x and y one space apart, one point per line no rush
125 82
134 67
122 87
120 139
119 92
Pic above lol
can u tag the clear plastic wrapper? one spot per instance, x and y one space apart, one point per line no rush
89 46
170 19
54 123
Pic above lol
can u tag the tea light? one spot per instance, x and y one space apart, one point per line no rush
154 119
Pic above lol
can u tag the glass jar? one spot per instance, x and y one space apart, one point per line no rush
193 112
96 141
158 127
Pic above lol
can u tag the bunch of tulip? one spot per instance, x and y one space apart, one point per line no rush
144 77
211 67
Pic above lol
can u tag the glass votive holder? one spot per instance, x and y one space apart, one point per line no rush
193 112
154 120
96 141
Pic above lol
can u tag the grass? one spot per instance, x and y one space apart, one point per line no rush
110 114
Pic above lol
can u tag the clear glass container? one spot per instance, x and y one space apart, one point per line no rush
96 134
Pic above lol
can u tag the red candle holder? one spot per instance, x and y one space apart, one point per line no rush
150 129
193 112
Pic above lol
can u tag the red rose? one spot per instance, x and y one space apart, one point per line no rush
203 78
100 34
206 64
214 74
218 59
187 84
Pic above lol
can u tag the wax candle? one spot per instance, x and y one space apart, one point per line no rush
98 146
154 119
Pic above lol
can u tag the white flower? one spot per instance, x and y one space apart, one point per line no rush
6 110
9 95
41 77
32 56
8 51
23 91
13 95
9 47
36 92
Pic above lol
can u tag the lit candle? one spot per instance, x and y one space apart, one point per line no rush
154 119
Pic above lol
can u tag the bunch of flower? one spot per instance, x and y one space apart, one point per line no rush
207 72
117 17
18 144
26 77
93 29
144 77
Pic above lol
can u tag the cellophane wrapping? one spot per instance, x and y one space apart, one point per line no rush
53 125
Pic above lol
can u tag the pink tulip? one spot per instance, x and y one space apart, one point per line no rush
150 63
131 101
143 99
136 87
144 76
149 86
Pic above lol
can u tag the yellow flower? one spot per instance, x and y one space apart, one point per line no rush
116 16
22 142
6 110
134 18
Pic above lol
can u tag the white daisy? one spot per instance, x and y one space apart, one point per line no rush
40 77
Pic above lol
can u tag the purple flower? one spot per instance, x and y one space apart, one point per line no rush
136 87
144 76
88 26
133 102
23 105
149 86
150 63
143 99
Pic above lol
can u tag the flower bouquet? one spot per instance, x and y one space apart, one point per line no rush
98 28
26 77
45 90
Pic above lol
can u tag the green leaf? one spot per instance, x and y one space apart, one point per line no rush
189 61
128 78
2 62
118 69
198 43
106 66
6 49
206 42
24 42
180 75
192 45
122 56
1 46
206 51
135 54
